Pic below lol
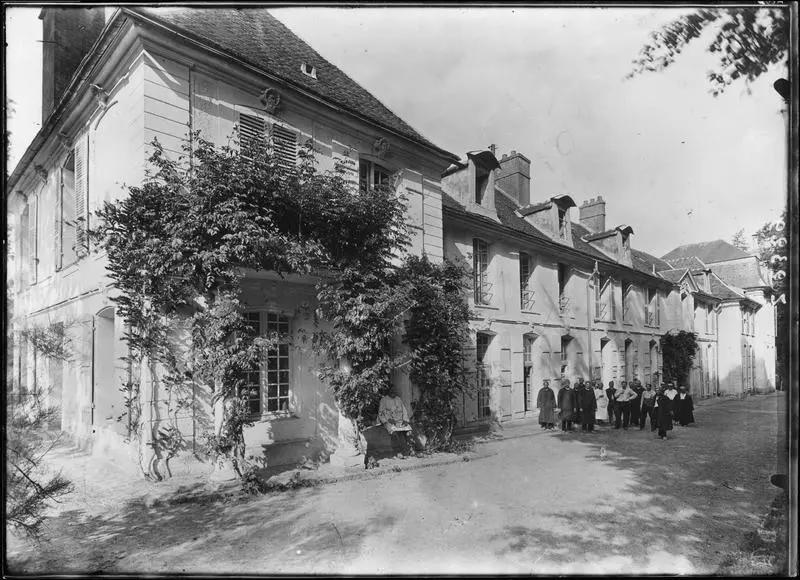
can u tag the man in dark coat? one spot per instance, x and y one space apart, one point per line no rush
587 405
546 402
566 405
663 412
578 388
612 403
636 387
684 407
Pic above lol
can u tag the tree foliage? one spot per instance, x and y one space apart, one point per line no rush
435 331
746 40
773 253
30 486
180 245
678 351
740 241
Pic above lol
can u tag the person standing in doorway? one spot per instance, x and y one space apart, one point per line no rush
587 405
624 398
636 404
648 401
566 406
546 403
601 414
611 395
684 407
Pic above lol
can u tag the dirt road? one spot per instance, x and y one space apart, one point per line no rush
545 503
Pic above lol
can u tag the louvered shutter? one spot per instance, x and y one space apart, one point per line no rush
81 194
33 225
252 128
284 145
58 226
68 225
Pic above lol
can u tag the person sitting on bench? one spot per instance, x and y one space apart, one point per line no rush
393 415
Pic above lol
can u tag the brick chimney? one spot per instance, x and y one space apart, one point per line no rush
593 215
67 36
514 177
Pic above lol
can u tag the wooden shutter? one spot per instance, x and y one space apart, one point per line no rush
58 226
33 226
284 145
251 129
81 151
68 215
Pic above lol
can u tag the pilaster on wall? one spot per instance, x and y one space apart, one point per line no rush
424 199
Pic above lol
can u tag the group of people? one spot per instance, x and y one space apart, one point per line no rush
630 405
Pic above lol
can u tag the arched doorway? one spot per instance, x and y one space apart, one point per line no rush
106 399
627 361
608 352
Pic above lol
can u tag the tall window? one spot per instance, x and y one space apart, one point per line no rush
565 340
480 271
371 175
267 382
66 233
526 292
563 278
33 238
651 308
627 290
604 298
482 376
527 369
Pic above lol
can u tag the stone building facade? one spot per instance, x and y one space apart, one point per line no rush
557 292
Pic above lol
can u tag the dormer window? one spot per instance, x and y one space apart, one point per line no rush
562 223
481 184
308 70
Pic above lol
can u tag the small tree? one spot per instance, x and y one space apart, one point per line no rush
30 486
678 351
740 241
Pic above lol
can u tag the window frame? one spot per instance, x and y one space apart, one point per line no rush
480 272
262 367
373 169
527 267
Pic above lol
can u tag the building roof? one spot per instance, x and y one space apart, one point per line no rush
258 38
708 252
721 290
741 273
686 262
505 206
673 275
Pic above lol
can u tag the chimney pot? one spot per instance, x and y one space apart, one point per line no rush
513 177
593 215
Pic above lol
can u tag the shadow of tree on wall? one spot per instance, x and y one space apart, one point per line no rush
676 492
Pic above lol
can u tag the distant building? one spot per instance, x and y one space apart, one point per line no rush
746 314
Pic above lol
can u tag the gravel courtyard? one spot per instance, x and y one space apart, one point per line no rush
541 502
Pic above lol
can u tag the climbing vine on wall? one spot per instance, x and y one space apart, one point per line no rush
178 248
678 351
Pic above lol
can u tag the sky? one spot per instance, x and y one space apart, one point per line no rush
672 161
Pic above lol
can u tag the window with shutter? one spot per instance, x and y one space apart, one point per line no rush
67 224
33 226
80 152
22 243
284 144
252 129
57 226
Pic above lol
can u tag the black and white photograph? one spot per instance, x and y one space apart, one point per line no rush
359 289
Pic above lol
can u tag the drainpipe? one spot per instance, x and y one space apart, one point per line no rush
589 321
